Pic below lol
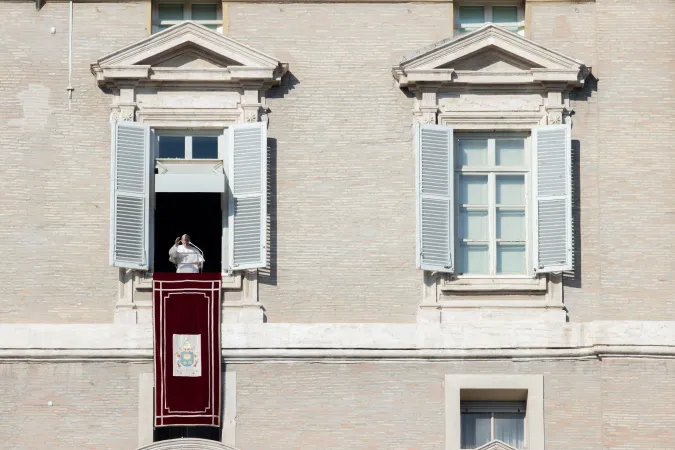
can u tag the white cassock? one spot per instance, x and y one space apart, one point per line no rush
187 259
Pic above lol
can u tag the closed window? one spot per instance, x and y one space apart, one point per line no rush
169 12
492 175
494 205
470 16
484 422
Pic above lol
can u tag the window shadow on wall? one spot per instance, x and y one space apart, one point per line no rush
287 84
268 275
573 278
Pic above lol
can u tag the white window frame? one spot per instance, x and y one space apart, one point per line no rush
188 135
487 5
221 134
503 384
491 172
187 14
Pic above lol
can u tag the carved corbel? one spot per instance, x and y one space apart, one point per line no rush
426 106
555 108
124 109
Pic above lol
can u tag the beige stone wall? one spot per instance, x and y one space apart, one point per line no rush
588 404
343 246
626 164
613 404
54 163
95 405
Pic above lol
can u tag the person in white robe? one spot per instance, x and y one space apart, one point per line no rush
186 258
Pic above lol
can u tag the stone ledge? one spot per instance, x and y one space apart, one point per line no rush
354 341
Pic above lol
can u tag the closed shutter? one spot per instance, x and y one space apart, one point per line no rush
435 186
248 196
552 187
130 198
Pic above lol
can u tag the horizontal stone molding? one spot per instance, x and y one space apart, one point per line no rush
341 342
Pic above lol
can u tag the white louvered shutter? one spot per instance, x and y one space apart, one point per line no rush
552 187
248 196
130 199
435 186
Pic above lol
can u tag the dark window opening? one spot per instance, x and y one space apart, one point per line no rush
166 433
196 214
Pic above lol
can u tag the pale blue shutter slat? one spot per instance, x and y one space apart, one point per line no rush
130 196
248 190
552 186
435 219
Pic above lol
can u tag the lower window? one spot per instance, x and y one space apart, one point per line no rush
484 422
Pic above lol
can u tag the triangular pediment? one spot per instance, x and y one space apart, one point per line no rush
496 445
190 56
490 54
189 52
491 59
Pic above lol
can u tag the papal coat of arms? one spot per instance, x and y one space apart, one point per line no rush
187 352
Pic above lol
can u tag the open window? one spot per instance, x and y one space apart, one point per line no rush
167 183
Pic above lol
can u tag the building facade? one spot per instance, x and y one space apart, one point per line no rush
460 215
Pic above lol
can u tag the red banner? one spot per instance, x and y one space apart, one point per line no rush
186 316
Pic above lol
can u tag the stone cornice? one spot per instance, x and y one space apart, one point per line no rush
340 342
240 65
430 65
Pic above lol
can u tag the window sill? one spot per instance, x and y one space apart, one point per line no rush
452 284
143 281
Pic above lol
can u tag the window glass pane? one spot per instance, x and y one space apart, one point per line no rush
510 428
204 147
170 11
511 259
471 14
473 189
510 152
473 259
171 147
503 14
511 225
213 27
473 225
473 152
163 27
208 11
475 429
511 190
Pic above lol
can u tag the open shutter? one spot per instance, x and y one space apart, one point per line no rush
552 187
248 196
130 199
435 221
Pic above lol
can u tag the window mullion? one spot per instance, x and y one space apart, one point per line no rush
492 213
492 246
188 147
488 13
492 426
